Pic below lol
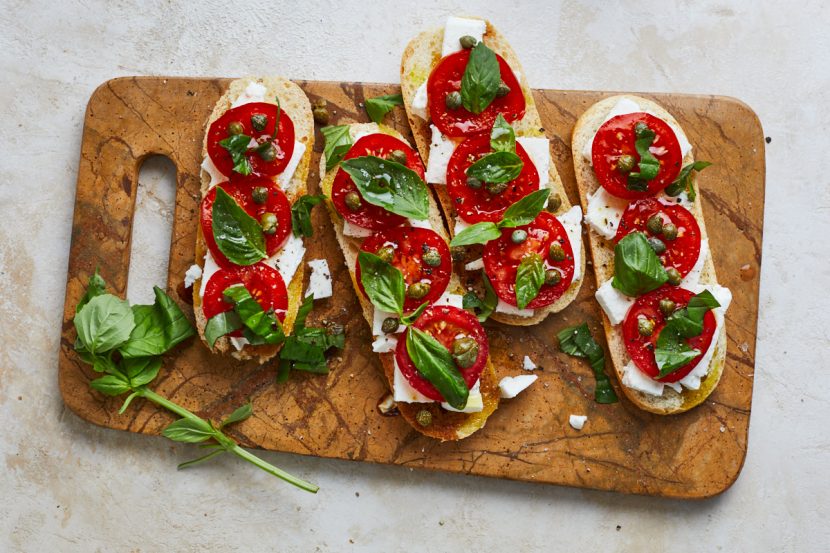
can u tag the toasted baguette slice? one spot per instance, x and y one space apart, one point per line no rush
446 425
296 105
602 252
420 56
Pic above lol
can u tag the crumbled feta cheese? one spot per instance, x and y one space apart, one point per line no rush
440 151
511 386
577 421
528 364
474 265
193 274
319 283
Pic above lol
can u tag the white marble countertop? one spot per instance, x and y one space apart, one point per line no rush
69 486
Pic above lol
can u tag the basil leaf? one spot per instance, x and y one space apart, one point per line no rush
684 181
95 287
283 370
189 431
303 311
412 317
158 327
578 342
496 167
672 354
141 370
484 307
263 325
481 79
435 364
648 166
104 323
237 234
305 349
637 268
524 211
337 143
110 385
671 350
389 185
301 214
382 282
220 325
104 364
479 233
305 356
237 147
378 107
239 415
530 275
502 137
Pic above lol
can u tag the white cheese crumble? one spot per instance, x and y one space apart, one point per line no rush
507 309
693 277
289 258
284 178
572 221
377 322
238 342
216 176
459 226
209 268
403 391
254 92
453 300
384 344
475 403
419 102
475 265
356 231
577 421
192 275
538 148
457 27
419 223
604 212
613 302
528 364
319 283
511 386
440 151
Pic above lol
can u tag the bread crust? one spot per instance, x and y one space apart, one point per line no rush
602 253
297 106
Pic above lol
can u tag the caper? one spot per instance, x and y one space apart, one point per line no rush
432 257
335 329
503 90
398 156
645 326
321 115
268 153
518 236
418 290
424 417
496 187
269 223
458 253
626 163
473 183
655 224
390 325
236 127
353 201
467 41
674 276
465 352
259 121
669 231
554 203
386 253
667 306
259 194
556 251
657 245
552 277
453 100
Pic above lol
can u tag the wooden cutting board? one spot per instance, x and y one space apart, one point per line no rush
695 455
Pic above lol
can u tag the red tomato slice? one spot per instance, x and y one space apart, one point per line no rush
446 78
370 216
241 188
474 206
616 138
502 258
264 283
284 144
682 252
445 324
410 244
641 348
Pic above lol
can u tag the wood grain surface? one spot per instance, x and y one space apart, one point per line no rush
694 455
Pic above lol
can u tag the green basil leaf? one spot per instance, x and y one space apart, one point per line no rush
479 233
303 312
237 147
496 167
283 370
637 268
389 185
141 370
189 431
104 364
158 327
684 181
412 317
530 275
383 283
237 234
263 325
502 137
378 107
481 79
435 364
95 287
648 166
220 325
338 141
305 356
578 342
321 338
104 323
524 211
239 415
110 385
671 350
483 307
301 214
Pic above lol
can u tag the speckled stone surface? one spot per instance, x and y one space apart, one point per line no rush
69 486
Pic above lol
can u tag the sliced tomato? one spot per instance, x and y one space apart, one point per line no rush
476 205
616 138
241 189
370 216
682 252
284 142
410 244
264 283
446 78
502 258
445 324
641 348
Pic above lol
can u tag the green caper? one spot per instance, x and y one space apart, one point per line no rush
669 231
453 100
667 306
465 352
554 202
518 236
496 187
269 223
657 245
645 326
418 290
321 115
235 127
626 163
473 183
655 224
674 276
386 253
467 41
552 277
503 90
259 121
458 253
556 251
390 325
259 195
398 156
353 201
267 153
432 257
424 417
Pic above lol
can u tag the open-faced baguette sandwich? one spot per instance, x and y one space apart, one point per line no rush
463 90
435 355
248 279
664 312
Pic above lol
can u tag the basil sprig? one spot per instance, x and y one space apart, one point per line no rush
258 326
649 166
238 235
684 180
481 79
502 164
337 143
578 342
530 276
484 307
637 269
671 350
523 212
237 147
390 185
379 106
301 214
305 349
